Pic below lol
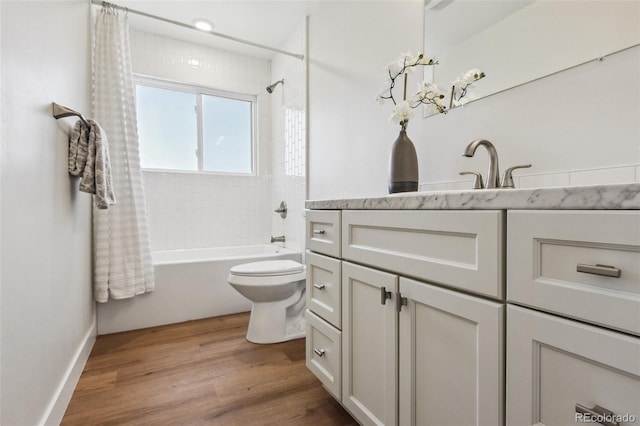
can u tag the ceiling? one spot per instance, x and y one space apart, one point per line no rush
266 22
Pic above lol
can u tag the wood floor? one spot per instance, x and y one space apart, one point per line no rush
199 373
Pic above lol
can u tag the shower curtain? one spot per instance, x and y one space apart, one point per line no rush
122 254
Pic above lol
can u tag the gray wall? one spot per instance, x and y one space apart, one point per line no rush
47 311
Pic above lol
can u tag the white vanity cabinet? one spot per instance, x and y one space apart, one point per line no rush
426 296
413 351
579 358
505 317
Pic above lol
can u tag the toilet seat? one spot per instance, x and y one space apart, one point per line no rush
267 268
267 273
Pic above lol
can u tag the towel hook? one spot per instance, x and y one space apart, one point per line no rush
60 111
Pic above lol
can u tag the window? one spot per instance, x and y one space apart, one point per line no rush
189 128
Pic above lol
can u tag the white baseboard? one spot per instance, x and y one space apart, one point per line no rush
60 400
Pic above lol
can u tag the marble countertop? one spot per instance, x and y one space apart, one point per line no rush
598 197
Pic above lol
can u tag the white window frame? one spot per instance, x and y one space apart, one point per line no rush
160 83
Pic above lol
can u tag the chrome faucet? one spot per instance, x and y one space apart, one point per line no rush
493 176
279 239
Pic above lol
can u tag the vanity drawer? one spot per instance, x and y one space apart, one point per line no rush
547 250
323 287
558 367
323 346
461 249
323 231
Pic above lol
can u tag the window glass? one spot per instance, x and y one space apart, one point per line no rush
189 128
167 128
226 134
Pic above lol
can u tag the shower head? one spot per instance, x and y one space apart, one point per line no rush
270 88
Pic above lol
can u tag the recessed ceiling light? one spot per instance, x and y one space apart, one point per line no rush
203 24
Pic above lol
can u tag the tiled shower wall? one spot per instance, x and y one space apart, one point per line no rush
190 210
288 107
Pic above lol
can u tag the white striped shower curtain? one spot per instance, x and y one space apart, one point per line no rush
122 254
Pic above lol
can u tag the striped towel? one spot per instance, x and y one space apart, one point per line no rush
89 158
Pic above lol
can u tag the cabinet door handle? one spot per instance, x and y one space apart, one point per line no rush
319 286
601 415
318 231
598 269
384 295
319 352
400 302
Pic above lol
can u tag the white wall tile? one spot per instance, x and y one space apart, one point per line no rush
188 210
599 176
289 141
543 181
603 176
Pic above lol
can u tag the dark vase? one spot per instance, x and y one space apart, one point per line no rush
403 165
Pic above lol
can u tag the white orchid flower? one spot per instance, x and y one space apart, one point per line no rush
408 56
473 75
459 83
395 68
466 79
409 61
382 95
402 113
428 94
429 90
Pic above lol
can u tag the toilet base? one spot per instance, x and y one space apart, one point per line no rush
269 323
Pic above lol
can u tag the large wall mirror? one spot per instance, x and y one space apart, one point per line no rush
518 41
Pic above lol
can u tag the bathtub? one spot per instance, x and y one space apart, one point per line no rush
190 284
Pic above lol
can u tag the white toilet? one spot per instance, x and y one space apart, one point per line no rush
277 290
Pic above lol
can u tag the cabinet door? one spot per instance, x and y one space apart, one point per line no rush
451 358
369 342
556 368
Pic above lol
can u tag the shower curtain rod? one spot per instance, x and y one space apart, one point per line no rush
192 27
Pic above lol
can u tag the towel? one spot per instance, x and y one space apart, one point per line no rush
89 158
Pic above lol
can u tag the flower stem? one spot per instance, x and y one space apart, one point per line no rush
404 98
453 89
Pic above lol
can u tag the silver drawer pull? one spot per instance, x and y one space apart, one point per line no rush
319 352
598 269
319 286
597 414
318 231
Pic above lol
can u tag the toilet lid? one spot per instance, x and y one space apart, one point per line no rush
267 268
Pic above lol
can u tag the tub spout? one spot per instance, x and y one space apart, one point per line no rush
279 239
